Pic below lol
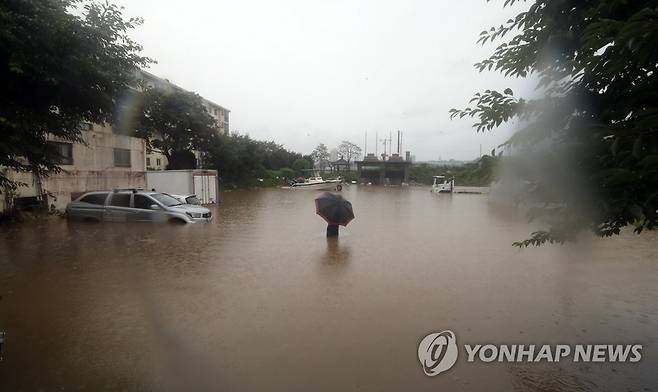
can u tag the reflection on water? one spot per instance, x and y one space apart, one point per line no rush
261 299
336 254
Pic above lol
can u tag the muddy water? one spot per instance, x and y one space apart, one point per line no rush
260 300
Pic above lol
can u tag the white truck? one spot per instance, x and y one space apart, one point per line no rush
200 182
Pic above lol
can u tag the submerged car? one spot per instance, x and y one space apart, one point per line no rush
187 199
133 205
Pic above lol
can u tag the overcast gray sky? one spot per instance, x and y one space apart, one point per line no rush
307 72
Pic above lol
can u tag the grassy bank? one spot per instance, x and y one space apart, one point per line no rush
479 173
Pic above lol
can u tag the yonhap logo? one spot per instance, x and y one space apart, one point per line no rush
437 352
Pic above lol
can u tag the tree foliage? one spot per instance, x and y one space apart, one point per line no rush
479 173
349 151
276 157
241 160
287 173
237 158
301 165
320 156
595 127
58 69
175 122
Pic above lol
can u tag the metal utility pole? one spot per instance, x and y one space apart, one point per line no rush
390 143
398 142
376 145
365 146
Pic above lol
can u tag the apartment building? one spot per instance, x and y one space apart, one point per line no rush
156 160
106 160
109 158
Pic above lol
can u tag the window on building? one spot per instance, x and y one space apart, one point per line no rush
120 200
158 162
148 161
143 202
95 198
122 157
64 152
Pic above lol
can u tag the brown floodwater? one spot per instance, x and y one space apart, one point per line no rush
260 300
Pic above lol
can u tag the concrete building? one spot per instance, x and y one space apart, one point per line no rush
107 160
156 160
218 112
390 170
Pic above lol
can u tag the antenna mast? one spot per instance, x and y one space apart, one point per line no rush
390 143
398 142
376 144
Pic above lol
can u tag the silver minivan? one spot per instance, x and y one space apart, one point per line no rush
134 205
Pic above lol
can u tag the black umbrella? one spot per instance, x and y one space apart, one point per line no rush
334 209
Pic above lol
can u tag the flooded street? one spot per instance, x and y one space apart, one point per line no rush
260 300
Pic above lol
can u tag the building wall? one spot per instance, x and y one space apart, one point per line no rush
62 187
156 161
220 114
93 168
98 153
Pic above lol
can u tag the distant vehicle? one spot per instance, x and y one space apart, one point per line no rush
316 183
187 199
200 182
133 205
442 185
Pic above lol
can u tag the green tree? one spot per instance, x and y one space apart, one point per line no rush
241 160
596 63
58 69
478 173
175 122
237 158
276 156
349 150
287 173
300 165
320 156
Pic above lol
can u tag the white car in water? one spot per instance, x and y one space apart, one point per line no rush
133 205
187 199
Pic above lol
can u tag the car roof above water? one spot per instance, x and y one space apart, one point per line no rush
122 191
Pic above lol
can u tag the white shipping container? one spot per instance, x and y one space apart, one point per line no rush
200 182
